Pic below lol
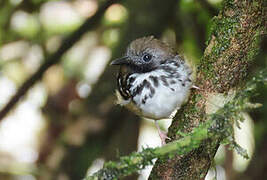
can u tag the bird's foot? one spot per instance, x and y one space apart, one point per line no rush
196 87
163 135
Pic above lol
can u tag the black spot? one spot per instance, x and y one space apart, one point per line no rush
164 80
172 89
146 83
144 99
167 68
152 92
177 75
138 89
176 64
122 87
172 81
154 80
131 79
183 84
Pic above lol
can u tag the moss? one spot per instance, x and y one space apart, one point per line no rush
232 31
254 47
232 45
126 166
187 117
223 28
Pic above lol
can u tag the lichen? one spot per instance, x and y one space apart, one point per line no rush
233 43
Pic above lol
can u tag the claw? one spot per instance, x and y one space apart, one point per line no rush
163 135
195 87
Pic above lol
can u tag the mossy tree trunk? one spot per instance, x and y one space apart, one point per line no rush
233 43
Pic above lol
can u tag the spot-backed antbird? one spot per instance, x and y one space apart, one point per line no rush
153 80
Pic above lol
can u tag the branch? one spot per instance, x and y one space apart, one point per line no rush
56 57
233 44
217 125
137 161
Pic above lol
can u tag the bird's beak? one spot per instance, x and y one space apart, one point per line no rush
121 61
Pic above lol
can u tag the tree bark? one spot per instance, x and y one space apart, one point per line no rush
234 42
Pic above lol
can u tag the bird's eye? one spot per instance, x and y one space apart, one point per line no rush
147 57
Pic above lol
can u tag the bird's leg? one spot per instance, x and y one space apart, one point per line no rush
163 135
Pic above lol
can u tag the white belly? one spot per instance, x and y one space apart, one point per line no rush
164 103
165 99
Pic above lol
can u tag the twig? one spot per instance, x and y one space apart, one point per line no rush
56 57
139 160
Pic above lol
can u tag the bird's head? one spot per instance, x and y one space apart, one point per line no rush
145 54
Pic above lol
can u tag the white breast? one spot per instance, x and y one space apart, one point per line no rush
163 104
165 100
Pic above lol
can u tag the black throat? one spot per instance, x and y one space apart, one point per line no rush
144 68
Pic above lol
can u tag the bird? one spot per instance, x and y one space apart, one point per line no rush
153 80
